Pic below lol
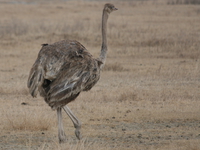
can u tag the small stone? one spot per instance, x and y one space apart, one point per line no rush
128 111
123 129
23 103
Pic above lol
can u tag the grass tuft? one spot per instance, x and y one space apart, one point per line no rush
28 121
116 67
186 2
128 96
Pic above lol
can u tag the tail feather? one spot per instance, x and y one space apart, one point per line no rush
35 80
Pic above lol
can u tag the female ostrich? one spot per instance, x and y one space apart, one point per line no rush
64 69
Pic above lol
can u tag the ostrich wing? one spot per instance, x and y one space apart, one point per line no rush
68 84
78 73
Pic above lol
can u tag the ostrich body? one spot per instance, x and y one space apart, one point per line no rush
64 69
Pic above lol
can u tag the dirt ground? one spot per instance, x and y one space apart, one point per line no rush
149 91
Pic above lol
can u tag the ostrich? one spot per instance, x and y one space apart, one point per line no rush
63 69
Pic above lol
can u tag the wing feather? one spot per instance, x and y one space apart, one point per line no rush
68 88
36 79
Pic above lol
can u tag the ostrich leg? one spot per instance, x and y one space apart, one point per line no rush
76 122
61 133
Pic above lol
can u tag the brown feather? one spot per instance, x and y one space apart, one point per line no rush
61 71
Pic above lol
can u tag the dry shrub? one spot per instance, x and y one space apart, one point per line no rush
154 42
175 2
27 120
119 95
114 67
197 11
13 27
13 91
128 96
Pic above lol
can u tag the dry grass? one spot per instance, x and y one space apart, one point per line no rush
26 119
114 67
175 2
148 95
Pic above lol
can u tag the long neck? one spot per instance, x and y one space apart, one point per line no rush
104 38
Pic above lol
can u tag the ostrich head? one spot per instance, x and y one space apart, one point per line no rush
109 8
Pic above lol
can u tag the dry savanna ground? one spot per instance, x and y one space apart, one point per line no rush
147 97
